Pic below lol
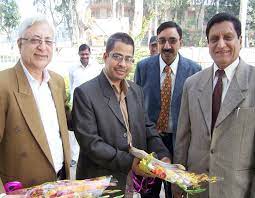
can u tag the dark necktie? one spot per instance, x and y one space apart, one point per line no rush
162 123
216 97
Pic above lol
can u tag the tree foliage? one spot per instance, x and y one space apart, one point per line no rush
9 17
68 14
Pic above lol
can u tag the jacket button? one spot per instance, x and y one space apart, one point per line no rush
212 151
125 135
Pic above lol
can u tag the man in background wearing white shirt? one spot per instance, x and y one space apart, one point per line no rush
78 75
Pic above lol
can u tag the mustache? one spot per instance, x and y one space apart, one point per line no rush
168 50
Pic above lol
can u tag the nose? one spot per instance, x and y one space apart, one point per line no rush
167 45
221 43
122 62
42 45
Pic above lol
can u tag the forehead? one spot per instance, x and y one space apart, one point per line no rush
40 29
222 28
86 51
169 32
123 48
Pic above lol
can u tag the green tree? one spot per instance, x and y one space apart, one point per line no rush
9 17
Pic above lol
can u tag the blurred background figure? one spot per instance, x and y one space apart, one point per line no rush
153 46
78 74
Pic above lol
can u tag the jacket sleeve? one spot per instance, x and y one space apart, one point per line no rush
137 75
92 145
252 194
183 131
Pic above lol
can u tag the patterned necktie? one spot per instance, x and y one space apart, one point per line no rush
216 97
162 123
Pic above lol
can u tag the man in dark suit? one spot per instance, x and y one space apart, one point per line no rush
216 130
150 75
108 114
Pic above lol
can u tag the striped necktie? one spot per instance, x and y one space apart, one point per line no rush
216 97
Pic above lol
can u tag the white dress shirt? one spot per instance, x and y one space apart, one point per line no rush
48 114
227 78
174 67
80 74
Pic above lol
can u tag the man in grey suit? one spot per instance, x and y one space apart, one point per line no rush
216 135
150 75
108 114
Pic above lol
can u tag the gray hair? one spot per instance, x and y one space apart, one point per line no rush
27 23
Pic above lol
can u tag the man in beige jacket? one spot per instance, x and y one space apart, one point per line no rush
34 146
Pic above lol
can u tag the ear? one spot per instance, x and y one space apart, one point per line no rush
181 42
19 43
105 56
241 41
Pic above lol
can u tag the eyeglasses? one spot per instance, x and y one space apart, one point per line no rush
119 58
37 41
162 41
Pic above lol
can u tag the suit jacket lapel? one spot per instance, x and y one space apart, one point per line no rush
131 108
234 95
205 97
180 78
111 97
28 107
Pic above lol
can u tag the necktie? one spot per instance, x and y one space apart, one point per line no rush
162 122
216 97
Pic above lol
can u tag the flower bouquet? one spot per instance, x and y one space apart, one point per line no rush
174 173
87 188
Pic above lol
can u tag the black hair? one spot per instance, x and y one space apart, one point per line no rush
169 24
84 47
119 37
221 17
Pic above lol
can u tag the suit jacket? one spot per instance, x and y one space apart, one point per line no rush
24 151
101 132
230 152
147 75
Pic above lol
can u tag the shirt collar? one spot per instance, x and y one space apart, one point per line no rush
46 75
173 66
229 70
123 85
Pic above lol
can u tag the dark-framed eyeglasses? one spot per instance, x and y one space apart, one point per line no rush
162 41
119 58
37 41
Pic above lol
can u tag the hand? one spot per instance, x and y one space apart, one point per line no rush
166 160
137 170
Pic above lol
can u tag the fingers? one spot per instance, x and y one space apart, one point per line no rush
166 160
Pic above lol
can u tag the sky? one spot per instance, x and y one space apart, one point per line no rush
25 8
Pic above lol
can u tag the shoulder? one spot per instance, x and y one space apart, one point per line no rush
73 68
135 88
133 85
192 64
90 85
148 61
196 79
55 76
